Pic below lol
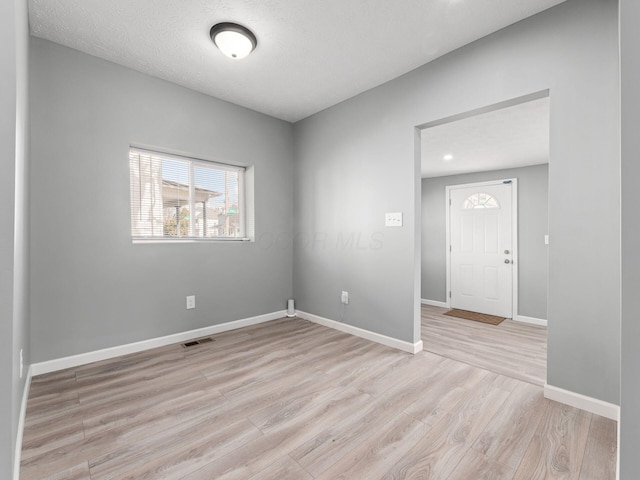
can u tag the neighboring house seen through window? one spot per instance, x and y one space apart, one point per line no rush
181 198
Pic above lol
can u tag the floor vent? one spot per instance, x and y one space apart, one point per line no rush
192 343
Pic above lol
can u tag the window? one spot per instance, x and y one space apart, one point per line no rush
180 198
480 200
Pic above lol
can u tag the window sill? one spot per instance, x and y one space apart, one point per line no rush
190 240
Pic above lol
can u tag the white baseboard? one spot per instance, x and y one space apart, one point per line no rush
19 436
531 320
577 400
366 334
106 353
434 303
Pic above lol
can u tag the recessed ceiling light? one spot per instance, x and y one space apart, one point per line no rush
234 40
448 157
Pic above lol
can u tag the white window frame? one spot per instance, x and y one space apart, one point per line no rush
192 162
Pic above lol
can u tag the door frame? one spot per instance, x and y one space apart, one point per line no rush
514 233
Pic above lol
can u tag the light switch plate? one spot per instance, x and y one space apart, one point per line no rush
393 219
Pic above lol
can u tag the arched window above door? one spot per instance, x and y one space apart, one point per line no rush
480 200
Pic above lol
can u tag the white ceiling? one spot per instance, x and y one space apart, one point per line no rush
515 136
311 54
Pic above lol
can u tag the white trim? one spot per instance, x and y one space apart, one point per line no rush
514 236
447 207
577 400
366 334
106 353
531 320
514 247
142 240
19 435
434 303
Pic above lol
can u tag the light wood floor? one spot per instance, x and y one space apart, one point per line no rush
515 349
292 400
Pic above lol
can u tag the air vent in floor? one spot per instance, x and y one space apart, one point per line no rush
192 343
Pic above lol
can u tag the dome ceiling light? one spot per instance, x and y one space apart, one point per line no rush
234 40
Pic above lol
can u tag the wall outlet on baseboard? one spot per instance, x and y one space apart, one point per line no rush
344 298
191 302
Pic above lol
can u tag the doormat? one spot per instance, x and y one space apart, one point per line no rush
478 317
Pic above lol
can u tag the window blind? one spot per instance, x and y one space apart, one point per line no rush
182 198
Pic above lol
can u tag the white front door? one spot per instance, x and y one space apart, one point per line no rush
481 248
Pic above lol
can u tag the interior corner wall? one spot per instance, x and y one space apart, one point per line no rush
356 161
630 393
91 287
533 220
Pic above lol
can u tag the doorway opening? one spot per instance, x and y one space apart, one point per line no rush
484 222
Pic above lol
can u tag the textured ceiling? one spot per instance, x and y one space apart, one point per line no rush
511 137
311 54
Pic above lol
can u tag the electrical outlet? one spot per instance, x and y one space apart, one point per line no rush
21 364
344 298
191 302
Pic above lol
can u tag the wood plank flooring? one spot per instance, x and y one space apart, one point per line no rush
289 399
515 349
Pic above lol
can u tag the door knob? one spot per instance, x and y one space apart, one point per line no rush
507 260
506 252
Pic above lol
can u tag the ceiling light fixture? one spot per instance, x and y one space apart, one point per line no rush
448 157
234 40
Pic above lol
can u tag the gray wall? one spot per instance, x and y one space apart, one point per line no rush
7 212
630 396
357 160
91 287
533 226
14 247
